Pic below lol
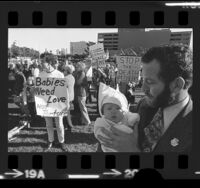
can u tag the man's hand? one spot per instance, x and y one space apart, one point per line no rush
121 141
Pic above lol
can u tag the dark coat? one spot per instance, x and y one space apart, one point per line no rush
20 80
179 131
81 85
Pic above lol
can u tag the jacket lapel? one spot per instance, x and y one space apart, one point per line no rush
178 132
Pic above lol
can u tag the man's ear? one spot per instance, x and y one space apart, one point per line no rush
177 85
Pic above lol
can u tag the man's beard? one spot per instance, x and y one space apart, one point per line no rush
162 100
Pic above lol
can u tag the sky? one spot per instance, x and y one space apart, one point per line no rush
53 39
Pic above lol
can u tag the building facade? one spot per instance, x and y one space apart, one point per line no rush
181 37
78 47
110 42
135 38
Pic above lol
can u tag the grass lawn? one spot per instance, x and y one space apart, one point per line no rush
79 139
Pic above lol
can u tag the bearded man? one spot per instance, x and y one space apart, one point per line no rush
166 110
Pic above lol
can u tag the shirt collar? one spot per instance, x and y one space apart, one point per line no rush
170 112
179 105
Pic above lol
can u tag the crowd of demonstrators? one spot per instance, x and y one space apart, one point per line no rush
28 71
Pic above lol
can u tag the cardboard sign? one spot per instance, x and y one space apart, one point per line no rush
98 55
128 68
52 97
97 51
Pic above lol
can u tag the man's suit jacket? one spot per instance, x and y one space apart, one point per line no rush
177 138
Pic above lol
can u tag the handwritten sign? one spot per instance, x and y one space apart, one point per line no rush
128 68
97 51
52 97
98 55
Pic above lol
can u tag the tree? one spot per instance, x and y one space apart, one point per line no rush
14 50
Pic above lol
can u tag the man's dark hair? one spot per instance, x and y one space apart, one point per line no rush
175 60
50 58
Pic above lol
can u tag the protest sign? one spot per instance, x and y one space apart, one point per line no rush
128 68
97 51
98 55
52 97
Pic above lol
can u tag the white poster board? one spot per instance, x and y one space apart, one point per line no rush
98 55
52 97
97 51
128 68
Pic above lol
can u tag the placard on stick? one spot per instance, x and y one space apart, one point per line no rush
128 70
52 97
98 55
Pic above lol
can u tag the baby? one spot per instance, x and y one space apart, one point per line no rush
114 111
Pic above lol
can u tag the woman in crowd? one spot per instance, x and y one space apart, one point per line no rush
80 90
49 71
68 70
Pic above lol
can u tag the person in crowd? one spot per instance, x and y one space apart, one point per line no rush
89 76
35 70
30 100
166 110
130 93
112 76
68 70
56 65
19 89
11 78
49 71
26 71
107 71
40 67
114 110
80 90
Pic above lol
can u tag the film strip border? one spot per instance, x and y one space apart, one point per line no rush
88 166
95 15
98 14
86 18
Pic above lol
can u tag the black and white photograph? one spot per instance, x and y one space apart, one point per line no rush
100 89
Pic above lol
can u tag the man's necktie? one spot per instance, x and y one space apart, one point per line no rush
153 131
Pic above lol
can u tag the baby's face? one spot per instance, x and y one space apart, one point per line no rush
112 112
